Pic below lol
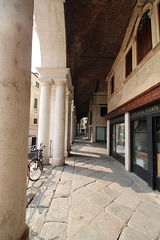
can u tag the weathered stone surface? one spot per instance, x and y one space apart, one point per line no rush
131 234
129 198
150 210
99 200
76 223
63 189
53 230
59 210
89 233
35 218
120 211
145 225
108 225
42 199
87 210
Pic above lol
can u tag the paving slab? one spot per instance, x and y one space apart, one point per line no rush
108 225
131 234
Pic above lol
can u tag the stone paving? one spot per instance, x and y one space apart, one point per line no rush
92 197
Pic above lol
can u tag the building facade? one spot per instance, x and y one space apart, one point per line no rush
96 117
34 110
133 118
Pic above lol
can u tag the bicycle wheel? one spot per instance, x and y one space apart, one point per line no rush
36 168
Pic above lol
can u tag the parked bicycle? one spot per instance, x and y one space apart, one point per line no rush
35 163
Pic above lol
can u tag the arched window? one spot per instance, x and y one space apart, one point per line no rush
144 37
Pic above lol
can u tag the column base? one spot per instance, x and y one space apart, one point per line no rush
25 235
46 161
57 162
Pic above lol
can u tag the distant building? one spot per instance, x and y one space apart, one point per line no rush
34 110
83 125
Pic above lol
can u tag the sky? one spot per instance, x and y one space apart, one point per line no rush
36 53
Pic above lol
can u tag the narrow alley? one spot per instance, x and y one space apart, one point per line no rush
92 197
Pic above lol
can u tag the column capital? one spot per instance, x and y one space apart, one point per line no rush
55 76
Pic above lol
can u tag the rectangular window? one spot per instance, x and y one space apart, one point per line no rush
35 103
103 111
35 120
112 85
129 62
37 84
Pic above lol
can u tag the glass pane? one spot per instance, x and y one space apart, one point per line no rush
120 139
113 138
140 143
158 144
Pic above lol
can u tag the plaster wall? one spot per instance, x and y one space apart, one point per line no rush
145 75
50 28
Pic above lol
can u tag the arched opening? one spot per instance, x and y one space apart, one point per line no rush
144 37
36 51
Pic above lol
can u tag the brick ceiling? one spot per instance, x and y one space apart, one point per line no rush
95 30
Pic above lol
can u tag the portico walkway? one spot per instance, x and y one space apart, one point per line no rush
92 198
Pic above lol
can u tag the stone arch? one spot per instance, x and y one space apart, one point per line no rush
36 47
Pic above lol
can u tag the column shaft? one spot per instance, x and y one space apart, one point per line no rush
108 137
44 120
127 142
15 80
59 128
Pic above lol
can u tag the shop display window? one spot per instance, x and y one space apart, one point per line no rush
118 139
140 151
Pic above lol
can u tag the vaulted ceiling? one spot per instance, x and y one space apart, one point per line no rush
95 30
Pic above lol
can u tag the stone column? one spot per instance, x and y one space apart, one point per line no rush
127 142
15 80
52 117
72 124
44 120
108 137
67 116
59 127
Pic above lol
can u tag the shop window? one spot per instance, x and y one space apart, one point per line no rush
144 37
129 62
35 120
35 103
112 85
140 152
103 111
118 139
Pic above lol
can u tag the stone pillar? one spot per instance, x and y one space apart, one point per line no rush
44 120
94 133
59 127
108 137
72 123
127 142
52 117
15 80
67 116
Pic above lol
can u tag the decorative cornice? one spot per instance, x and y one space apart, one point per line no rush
55 75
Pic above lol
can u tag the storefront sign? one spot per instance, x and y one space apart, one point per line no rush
146 110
